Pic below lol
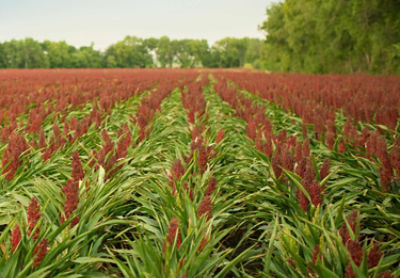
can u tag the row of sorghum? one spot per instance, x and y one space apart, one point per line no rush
53 92
64 99
150 105
288 153
356 251
34 216
192 100
109 154
71 193
11 157
314 97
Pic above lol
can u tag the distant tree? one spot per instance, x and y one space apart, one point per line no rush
87 57
60 54
31 53
128 53
11 57
25 53
200 51
191 53
212 59
253 52
2 56
166 51
151 45
163 50
110 61
232 52
131 52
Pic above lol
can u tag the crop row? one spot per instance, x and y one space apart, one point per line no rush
152 173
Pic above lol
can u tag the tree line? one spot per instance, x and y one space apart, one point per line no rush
133 52
342 36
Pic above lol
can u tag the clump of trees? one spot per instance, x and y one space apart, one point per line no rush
320 36
133 52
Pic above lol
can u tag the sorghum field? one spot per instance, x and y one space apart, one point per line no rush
198 173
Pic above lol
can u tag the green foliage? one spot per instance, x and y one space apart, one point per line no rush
257 227
132 52
87 57
128 53
25 53
234 52
332 36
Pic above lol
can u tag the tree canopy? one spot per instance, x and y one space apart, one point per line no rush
132 52
320 36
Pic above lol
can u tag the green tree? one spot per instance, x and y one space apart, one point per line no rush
231 52
2 56
11 55
151 45
32 55
253 51
60 54
26 53
128 53
332 36
191 53
132 52
167 51
87 57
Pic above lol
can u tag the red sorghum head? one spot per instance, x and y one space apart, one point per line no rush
33 217
123 145
315 191
173 232
374 256
108 146
15 237
302 199
205 208
324 171
77 171
211 186
306 148
356 251
42 139
71 192
177 169
352 220
40 252
220 136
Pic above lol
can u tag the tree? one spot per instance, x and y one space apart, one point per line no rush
128 53
150 45
60 54
33 56
132 52
25 53
2 56
191 53
321 36
231 52
253 51
166 51
87 57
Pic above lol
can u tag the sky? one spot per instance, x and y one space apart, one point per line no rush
103 22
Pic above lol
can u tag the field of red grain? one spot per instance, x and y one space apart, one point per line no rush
198 173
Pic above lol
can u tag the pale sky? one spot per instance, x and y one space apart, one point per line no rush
103 22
